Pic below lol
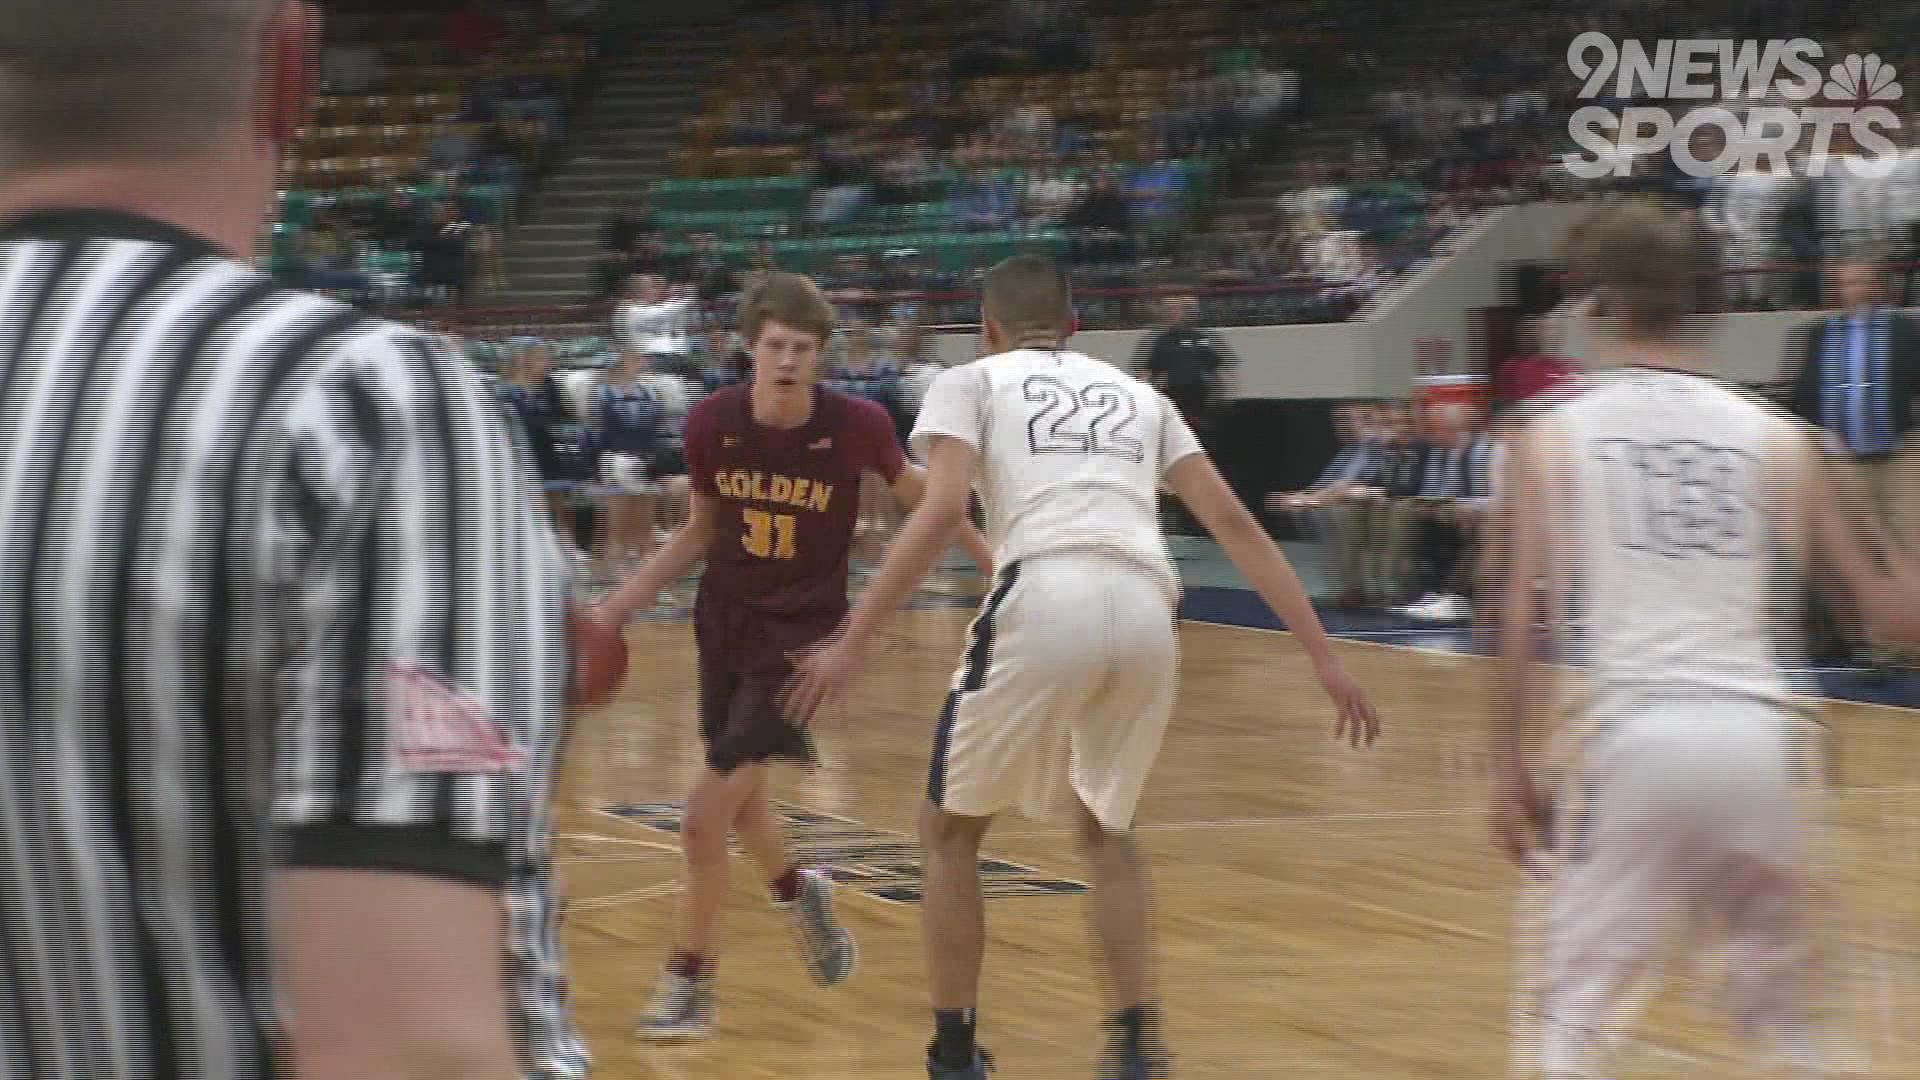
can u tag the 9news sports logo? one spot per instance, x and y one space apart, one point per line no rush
1763 98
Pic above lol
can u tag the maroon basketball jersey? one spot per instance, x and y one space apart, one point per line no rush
788 503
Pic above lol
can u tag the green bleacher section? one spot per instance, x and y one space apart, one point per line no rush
743 212
297 210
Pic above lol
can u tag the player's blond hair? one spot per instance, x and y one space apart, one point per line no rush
788 299
1643 266
90 80
1027 295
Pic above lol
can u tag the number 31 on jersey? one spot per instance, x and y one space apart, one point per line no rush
768 536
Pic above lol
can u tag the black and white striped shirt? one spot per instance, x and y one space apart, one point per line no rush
276 592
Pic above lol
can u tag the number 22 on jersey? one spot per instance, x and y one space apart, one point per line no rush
1056 427
768 536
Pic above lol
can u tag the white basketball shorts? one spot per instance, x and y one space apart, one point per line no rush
1062 696
1685 816
629 474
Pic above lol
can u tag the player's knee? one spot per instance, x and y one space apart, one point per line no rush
1098 840
943 832
702 836
708 819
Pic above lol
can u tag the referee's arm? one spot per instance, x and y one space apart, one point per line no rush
424 607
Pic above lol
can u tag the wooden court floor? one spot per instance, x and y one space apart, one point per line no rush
1320 911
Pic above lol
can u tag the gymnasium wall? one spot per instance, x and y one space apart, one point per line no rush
1315 360
1333 360
1277 433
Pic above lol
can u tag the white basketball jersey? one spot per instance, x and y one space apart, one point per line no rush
665 328
1072 451
1676 539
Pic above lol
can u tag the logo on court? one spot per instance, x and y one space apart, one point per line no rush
1757 101
883 865
438 728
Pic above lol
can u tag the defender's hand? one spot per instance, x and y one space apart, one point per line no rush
1356 721
821 674
1522 815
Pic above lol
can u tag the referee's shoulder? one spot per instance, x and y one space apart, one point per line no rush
385 356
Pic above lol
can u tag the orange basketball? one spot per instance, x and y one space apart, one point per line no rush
599 661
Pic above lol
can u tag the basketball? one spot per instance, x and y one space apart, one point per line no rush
599 661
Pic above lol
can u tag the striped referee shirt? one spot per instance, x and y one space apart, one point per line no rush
276 593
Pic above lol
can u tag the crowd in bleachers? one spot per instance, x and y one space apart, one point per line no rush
429 129
1423 146
915 141
929 137
942 135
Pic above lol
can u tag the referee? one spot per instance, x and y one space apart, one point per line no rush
282 628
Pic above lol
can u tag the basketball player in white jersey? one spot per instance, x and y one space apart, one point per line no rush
655 319
1672 516
1068 678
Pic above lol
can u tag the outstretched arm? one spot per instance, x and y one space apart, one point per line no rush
942 507
910 489
1517 559
1202 491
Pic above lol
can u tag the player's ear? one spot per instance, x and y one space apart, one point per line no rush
289 71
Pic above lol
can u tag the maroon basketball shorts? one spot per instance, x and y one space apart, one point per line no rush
744 671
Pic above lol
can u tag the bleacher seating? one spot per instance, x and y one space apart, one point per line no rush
754 178
428 123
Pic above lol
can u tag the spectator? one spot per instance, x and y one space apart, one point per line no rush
910 175
1856 373
1430 527
1102 224
654 321
444 248
842 184
1327 507
1156 189
986 201
1532 370
1051 196
1186 362
707 271
396 225
327 254
1401 472
625 248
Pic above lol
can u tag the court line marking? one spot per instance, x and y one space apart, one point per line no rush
591 860
621 899
595 838
1457 655
1315 820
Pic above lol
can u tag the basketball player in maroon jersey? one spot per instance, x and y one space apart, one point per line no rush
776 466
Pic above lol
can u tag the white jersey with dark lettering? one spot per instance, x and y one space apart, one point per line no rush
1677 537
1072 452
